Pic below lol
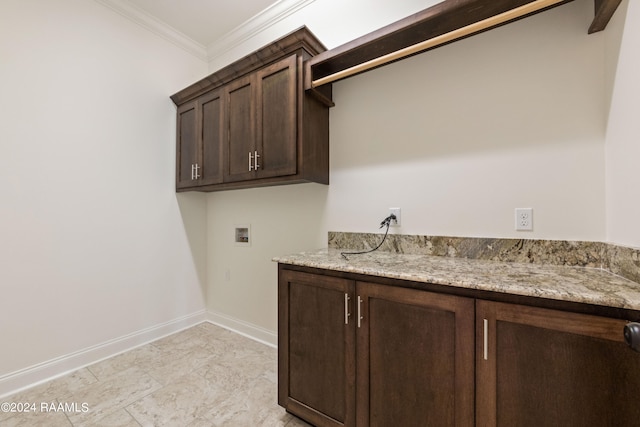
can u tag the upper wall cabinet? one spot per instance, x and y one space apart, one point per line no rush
252 124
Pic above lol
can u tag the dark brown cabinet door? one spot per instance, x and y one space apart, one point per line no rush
261 114
188 146
415 358
316 344
199 147
539 367
211 126
276 119
240 138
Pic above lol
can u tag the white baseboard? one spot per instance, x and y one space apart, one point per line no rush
246 329
28 377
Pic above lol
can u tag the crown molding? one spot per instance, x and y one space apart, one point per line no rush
260 22
156 26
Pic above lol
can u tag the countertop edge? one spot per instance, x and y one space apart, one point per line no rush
585 285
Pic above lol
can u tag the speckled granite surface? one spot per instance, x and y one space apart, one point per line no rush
585 272
576 284
623 261
555 252
619 260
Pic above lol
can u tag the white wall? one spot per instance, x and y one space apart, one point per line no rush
95 246
242 280
457 137
623 137
461 136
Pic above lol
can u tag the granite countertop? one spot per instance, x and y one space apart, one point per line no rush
574 284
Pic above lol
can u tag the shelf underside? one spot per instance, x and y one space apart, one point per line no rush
443 23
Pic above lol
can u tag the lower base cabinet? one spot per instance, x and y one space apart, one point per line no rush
539 367
355 353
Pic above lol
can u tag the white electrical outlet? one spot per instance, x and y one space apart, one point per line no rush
524 219
396 212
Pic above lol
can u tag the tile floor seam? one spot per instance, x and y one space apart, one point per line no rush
133 417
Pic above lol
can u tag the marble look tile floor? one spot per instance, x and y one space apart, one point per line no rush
204 376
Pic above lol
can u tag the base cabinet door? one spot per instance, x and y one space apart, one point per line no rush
539 367
363 354
316 346
415 358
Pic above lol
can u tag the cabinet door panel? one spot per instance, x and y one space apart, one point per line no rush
211 123
316 363
277 107
187 147
415 358
240 137
551 368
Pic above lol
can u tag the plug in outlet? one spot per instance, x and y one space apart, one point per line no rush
396 212
524 219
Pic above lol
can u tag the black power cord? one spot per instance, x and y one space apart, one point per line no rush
387 222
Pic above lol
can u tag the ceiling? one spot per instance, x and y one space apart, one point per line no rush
203 21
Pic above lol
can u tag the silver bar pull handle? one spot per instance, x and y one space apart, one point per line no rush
256 156
486 339
250 161
359 310
191 171
346 309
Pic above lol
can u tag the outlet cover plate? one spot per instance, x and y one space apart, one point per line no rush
397 212
524 219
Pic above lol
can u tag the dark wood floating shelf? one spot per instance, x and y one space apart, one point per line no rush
436 26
